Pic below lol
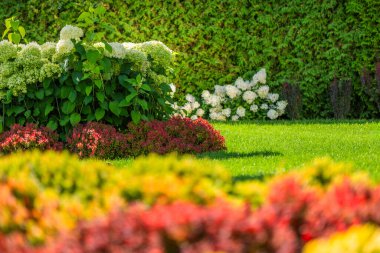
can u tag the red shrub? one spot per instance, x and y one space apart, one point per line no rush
28 137
97 139
344 205
182 135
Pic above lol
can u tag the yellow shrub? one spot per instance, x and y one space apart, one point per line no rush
363 239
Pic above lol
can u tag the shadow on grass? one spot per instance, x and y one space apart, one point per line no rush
222 155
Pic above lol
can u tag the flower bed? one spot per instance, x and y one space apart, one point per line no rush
248 99
164 203
93 139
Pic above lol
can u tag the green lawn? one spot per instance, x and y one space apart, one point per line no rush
260 148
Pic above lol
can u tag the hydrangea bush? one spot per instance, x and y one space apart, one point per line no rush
60 84
245 99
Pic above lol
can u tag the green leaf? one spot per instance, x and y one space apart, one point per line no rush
36 112
72 96
53 125
77 77
15 38
135 116
22 31
65 91
143 104
98 83
48 109
87 100
146 87
100 10
88 90
18 109
130 97
75 119
108 47
5 33
99 113
15 24
85 15
40 94
68 107
114 107
28 113
93 56
8 23
100 96
64 121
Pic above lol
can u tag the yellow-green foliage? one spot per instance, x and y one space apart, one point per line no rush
164 179
358 239
43 193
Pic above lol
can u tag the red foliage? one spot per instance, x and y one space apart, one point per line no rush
182 135
29 137
97 139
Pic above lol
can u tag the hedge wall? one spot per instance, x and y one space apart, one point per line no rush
304 42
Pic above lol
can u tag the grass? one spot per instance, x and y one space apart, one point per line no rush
261 148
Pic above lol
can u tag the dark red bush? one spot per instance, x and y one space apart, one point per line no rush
29 137
97 139
182 135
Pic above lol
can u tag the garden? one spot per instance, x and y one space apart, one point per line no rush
190 126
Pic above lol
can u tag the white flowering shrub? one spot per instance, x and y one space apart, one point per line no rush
245 99
73 80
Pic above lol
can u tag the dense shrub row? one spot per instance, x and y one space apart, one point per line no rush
166 204
94 139
305 43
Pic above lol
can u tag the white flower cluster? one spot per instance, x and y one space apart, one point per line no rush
245 99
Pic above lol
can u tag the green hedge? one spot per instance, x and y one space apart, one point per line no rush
305 42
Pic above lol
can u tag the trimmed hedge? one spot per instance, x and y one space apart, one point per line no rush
301 42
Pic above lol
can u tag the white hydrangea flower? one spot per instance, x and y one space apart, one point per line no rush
205 94
260 77
240 111
235 118
272 114
249 96
263 91
118 51
128 45
242 85
273 97
264 107
213 100
220 90
175 106
196 105
281 105
99 45
173 89
200 112
194 117
217 116
188 108
232 91
254 108
190 98
70 32
226 112
64 46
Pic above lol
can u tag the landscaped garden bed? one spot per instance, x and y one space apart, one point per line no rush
197 147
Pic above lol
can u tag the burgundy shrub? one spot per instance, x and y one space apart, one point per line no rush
182 135
29 137
97 140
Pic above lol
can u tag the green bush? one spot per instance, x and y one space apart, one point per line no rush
62 84
302 42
